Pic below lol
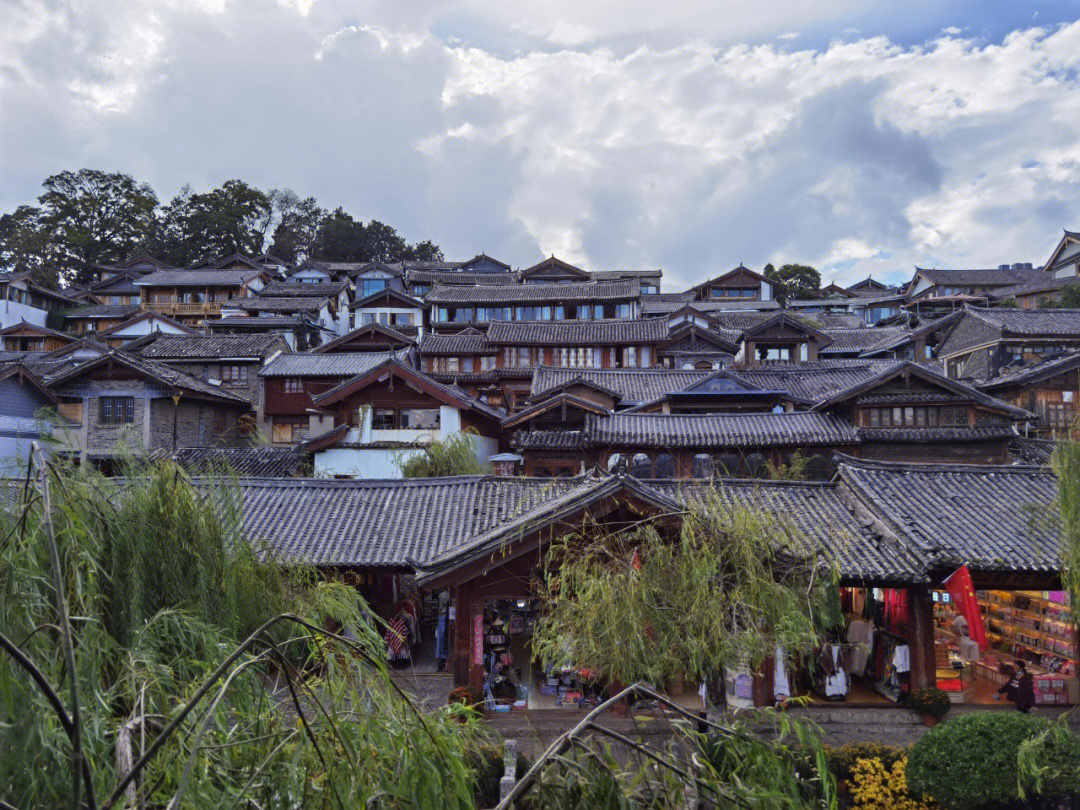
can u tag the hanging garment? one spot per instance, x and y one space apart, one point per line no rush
781 684
836 685
440 638
860 633
901 659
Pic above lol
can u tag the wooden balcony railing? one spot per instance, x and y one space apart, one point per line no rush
172 308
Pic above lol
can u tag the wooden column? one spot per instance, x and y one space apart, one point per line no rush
921 640
462 648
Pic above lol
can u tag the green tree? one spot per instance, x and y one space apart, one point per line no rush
297 227
794 281
86 218
344 239
1069 298
233 218
746 572
27 246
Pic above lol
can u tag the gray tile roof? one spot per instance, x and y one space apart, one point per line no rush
261 462
527 293
811 382
259 304
978 276
863 339
211 347
1032 451
295 289
160 372
1064 323
820 519
339 364
927 435
708 431
616 275
197 278
1045 284
992 518
468 341
453 277
632 385
1033 373
388 523
548 440
649 306
257 321
105 311
577 333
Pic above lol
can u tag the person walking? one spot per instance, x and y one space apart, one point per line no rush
1025 688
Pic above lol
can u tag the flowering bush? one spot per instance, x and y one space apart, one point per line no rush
875 787
842 759
465 694
932 701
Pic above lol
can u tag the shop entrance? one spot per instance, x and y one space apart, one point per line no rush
1035 627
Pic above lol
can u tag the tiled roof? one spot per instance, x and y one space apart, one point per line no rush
294 289
258 304
980 515
453 277
197 278
257 322
1045 284
719 430
468 341
821 519
105 311
631 385
830 320
525 293
340 364
209 347
1031 322
548 440
978 276
926 435
388 523
1033 373
160 372
263 462
863 339
811 382
1032 451
577 333
653 307
616 275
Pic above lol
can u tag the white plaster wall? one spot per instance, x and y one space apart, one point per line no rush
12 313
359 463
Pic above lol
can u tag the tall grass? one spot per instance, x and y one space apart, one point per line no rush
162 587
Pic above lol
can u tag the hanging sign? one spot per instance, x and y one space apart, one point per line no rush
478 639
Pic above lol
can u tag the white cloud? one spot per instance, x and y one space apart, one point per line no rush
682 150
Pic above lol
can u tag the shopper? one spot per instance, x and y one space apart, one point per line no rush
1025 688
1011 685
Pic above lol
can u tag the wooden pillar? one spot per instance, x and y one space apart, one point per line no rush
462 650
921 640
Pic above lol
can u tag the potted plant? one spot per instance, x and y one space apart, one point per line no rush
932 703
467 695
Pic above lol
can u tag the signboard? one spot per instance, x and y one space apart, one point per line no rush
478 639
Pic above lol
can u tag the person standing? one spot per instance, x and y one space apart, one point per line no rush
1025 688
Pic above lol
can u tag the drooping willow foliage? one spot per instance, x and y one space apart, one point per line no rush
1066 464
732 585
454 455
143 634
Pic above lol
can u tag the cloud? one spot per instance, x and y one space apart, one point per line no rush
571 131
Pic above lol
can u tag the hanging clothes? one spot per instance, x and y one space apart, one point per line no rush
781 683
440 638
896 609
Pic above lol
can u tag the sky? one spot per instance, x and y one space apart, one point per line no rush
863 138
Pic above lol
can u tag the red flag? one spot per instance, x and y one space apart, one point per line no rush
963 594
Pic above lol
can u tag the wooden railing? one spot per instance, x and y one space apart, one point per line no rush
173 308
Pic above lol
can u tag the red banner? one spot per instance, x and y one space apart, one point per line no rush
963 593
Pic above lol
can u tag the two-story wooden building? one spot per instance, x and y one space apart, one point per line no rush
195 296
456 307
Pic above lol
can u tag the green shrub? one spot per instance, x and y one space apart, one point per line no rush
975 760
932 701
842 759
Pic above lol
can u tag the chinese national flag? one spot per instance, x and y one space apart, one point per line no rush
963 593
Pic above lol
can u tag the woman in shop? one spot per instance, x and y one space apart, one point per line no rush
1020 688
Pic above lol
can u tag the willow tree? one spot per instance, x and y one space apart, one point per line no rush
732 585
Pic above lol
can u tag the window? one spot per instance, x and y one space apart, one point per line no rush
421 289
382 419
285 431
420 418
487 363
293 385
622 310
755 465
117 410
235 375
220 422
370 286
665 466
640 466
451 365
630 357
774 353
875 417
703 466
403 318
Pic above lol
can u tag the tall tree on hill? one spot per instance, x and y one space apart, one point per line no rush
86 218
794 281
342 238
233 218
297 226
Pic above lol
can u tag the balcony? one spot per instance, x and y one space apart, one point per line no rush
1057 419
203 309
